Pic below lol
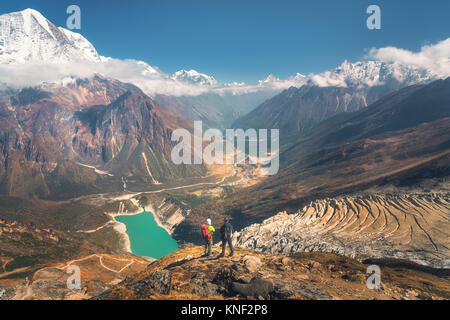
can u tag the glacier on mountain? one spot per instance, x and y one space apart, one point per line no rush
28 37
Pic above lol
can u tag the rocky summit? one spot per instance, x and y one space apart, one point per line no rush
186 274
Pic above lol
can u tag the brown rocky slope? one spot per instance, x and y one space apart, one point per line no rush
185 274
92 136
98 272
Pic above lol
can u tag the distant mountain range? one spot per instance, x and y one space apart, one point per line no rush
194 77
102 123
27 38
350 87
400 139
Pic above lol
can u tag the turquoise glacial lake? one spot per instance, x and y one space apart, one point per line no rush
146 237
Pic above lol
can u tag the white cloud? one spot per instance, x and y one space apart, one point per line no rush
189 82
383 64
194 77
149 78
326 79
271 83
32 74
435 58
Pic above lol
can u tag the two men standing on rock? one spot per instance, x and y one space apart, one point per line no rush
226 233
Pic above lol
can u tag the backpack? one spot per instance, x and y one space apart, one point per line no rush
222 232
226 231
205 232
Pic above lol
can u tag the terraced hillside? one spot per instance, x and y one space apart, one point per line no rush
413 226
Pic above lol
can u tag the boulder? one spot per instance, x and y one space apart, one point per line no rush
293 290
223 278
159 281
257 287
252 263
205 288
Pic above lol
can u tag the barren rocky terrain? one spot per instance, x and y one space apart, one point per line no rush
412 226
185 274
98 272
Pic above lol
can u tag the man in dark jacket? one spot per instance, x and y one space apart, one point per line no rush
226 232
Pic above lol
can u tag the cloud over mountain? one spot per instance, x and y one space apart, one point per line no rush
33 50
435 58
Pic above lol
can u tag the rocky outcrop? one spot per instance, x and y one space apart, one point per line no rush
408 226
309 276
158 281
169 213
187 274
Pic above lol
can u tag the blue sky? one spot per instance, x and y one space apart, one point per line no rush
246 40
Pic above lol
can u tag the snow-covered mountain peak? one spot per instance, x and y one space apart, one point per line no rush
29 15
371 73
194 77
28 37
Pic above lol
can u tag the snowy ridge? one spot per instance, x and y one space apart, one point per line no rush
371 73
28 37
29 15
79 42
194 77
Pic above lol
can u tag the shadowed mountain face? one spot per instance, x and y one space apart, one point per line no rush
88 136
131 137
212 109
398 140
216 111
297 110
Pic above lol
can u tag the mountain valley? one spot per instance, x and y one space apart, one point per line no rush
363 179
